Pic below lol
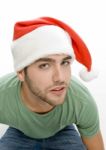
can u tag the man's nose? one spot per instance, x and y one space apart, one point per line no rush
58 74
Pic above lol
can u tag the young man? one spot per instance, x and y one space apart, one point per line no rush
43 100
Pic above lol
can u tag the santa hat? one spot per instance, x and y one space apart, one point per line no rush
45 36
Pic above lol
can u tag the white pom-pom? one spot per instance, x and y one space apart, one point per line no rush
88 75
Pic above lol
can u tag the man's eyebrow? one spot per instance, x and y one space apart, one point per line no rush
45 59
52 60
68 57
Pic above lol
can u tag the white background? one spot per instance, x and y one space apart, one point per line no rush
87 17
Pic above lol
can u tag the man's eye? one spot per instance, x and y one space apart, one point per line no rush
66 63
44 66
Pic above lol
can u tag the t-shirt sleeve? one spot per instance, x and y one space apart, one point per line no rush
88 119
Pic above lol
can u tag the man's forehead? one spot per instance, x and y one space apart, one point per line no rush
54 57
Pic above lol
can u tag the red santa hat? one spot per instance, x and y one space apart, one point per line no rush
45 36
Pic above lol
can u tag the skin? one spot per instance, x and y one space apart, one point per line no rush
95 142
44 86
43 76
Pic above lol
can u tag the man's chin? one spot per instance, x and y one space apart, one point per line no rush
57 102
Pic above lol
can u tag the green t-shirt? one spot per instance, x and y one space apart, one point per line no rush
78 108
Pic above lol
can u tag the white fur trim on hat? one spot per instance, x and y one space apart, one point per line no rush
86 75
43 41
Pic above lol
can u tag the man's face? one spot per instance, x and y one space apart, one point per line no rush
48 78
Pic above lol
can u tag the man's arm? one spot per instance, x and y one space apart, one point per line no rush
94 143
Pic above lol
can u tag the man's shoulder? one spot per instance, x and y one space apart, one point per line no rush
8 81
79 92
8 97
77 86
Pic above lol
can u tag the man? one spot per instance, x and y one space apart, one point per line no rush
43 100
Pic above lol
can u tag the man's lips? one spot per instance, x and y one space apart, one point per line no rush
58 90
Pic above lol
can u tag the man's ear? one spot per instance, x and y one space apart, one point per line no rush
21 75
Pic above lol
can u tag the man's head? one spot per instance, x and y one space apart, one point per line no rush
47 79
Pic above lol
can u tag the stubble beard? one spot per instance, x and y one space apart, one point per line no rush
38 94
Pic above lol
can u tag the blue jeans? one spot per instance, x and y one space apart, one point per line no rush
66 139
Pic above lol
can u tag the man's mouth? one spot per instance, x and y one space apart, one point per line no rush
58 90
